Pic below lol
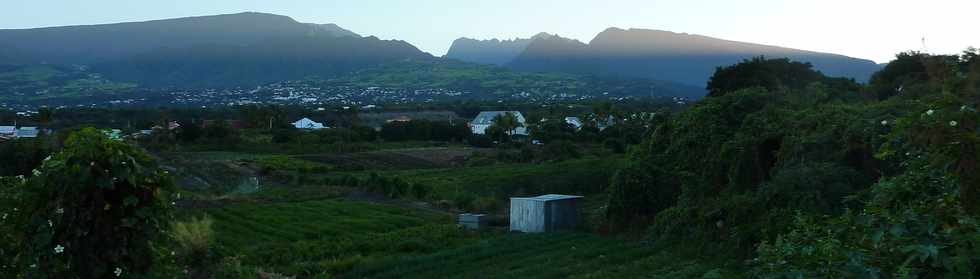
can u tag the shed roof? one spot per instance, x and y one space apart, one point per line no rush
551 197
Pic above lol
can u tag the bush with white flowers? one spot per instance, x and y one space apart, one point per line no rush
89 211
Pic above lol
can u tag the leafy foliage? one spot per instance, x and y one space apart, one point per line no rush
830 184
771 74
90 210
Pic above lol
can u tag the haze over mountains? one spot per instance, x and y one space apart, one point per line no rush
643 53
248 49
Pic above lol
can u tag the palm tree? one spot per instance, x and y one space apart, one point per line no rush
507 122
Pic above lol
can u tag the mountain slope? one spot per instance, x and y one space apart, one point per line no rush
332 30
94 43
692 58
215 51
259 63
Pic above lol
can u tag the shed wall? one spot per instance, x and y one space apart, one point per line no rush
527 215
562 215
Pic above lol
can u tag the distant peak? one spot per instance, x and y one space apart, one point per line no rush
543 35
613 29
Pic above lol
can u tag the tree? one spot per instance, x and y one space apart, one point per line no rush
189 132
44 115
899 75
267 117
506 122
771 74
91 211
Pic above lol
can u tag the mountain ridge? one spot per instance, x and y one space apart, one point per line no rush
659 54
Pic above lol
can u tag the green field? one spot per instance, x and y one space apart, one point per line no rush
306 228
325 236
559 255
351 239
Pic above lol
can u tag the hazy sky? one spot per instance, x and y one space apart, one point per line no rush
873 29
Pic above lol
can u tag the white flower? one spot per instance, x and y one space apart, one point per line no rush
47 158
4 217
118 272
953 123
91 164
33 266
21 177
50 224
60 211
36 172
930 112
58 249
124 163
884 122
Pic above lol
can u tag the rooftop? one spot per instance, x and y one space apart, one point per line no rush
486 117
551 197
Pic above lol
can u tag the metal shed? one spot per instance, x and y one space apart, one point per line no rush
544 213
473 221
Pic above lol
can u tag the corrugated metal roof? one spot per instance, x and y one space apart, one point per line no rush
551 197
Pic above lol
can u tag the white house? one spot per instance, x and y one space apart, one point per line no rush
8 131
483 121
308 124
27 132
574 121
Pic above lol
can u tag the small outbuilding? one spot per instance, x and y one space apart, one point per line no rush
473 221
545 213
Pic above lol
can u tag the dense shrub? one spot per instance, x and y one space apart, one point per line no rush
830 184
90 211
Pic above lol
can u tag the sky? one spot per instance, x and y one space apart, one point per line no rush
870 29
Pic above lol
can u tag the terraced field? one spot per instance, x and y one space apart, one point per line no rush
327 236
570 255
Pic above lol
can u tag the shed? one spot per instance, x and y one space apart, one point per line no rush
27 132
473 221
545 213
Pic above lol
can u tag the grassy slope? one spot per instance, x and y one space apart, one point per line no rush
587 175
306 238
